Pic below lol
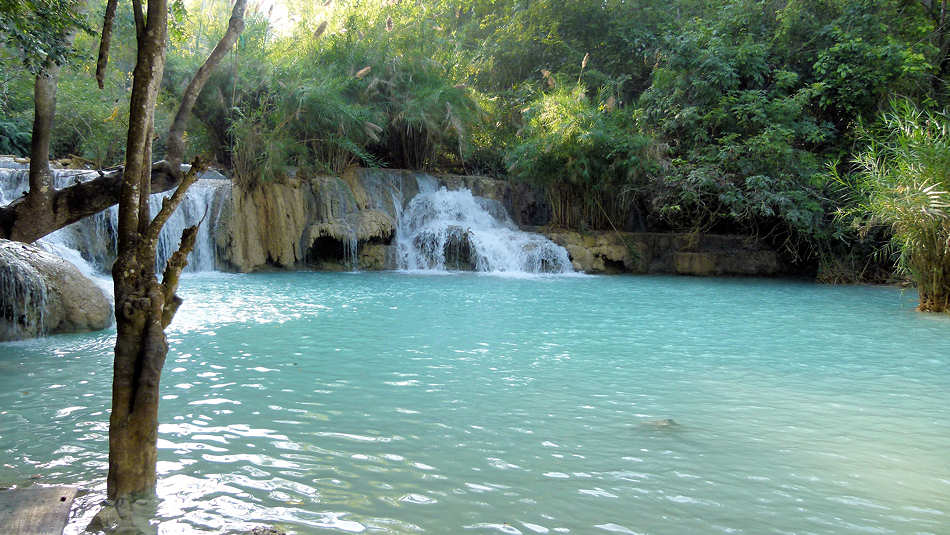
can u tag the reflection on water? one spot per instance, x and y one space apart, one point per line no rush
399 403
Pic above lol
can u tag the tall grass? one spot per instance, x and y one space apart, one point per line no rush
586 152
903 175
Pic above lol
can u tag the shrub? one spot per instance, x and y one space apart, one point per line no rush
586 152
903 181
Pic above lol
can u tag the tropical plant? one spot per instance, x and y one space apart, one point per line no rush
586 152
903 180
14 138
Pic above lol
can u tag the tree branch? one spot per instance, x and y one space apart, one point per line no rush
176 264
104 42
170 204
67 205
175 144
139 20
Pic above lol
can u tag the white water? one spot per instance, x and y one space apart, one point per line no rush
439 230
443 230
90 244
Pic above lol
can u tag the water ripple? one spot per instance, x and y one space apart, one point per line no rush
396 404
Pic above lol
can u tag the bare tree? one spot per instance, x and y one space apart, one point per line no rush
144 306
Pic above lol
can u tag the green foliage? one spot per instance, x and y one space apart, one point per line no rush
343 98
863 57
262 150
754 101
14 138
37 31
90 123
902 178
586 149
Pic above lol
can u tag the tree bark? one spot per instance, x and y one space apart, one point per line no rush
144 307
140 340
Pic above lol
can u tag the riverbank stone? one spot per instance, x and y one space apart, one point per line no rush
41 293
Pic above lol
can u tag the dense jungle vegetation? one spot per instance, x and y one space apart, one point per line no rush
815 125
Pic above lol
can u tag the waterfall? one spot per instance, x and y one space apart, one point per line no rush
90 244
452 230
23 297
203 203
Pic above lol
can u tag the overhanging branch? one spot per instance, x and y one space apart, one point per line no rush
70 204
104 42
170 204
175 145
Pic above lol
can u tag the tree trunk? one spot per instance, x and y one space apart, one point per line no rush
39 199
144 307
140 341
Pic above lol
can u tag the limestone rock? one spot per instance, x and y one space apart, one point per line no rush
297 221
40 293
669 253
598 252
375 256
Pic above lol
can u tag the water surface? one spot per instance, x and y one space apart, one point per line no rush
400 403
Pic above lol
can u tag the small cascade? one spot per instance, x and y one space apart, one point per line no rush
444 230
202 204
90 244
340 239
22 298
358 209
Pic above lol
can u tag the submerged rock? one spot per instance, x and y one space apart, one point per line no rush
662 423
40 293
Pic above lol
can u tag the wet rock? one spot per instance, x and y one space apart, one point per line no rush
40 293
266 531
668 253
375 256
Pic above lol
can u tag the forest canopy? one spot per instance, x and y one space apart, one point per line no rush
726 116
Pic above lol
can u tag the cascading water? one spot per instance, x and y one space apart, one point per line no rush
90 244
23 297
450 230
202 203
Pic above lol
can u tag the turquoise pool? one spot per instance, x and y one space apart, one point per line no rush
400 403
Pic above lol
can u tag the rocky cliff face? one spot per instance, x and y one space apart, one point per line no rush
323 222
349 222
669 253
40 293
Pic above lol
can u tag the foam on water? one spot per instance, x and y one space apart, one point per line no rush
339 403
450 230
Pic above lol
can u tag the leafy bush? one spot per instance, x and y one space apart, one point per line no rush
585 152
344 97
903 179
743 137
14 138
93 123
